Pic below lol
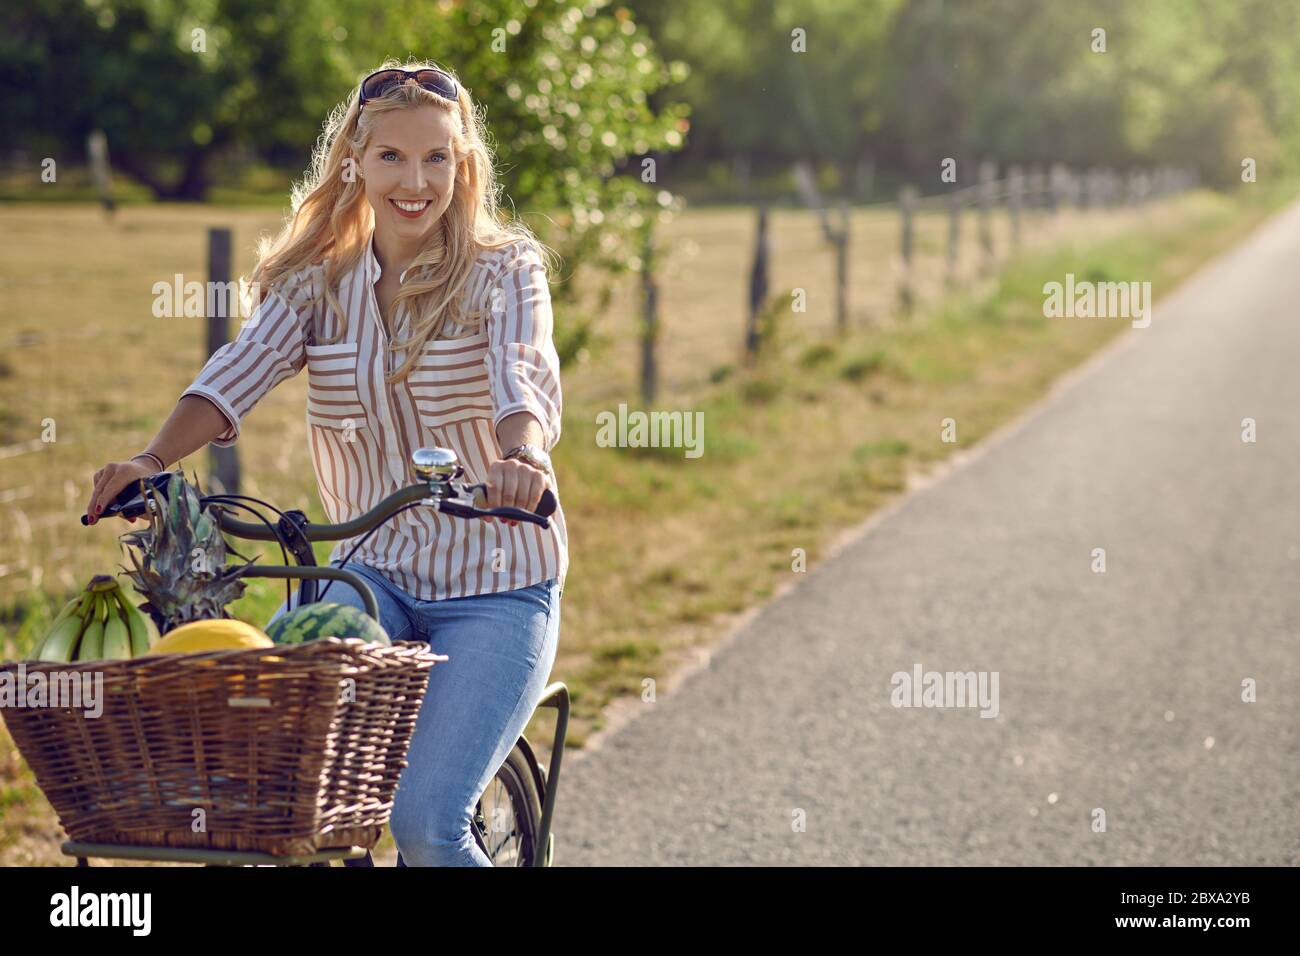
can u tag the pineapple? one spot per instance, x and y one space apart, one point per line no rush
184 573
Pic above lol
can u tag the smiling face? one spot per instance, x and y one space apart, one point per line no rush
409 170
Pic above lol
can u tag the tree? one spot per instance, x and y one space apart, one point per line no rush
566 89
170 83
758 88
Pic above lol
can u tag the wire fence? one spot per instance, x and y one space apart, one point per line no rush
943 241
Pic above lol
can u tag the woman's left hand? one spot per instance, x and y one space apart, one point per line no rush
514 484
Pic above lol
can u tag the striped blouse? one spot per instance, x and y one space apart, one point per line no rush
362 431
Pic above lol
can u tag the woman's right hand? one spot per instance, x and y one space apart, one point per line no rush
111 479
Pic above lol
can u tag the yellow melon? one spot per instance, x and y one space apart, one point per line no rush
219 634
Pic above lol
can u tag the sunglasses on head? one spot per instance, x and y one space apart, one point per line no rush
381 81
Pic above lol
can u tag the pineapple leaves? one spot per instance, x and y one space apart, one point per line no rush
183 567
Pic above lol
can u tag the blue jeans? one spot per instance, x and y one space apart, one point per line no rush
500 649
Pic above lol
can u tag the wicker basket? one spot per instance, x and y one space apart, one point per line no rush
286 750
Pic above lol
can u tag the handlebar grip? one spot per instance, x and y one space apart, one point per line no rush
130 501
133 508
545 507
519 514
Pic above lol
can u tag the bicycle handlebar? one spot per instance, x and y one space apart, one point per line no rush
450 497
438 473
256 531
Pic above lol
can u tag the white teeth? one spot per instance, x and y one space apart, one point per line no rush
410 206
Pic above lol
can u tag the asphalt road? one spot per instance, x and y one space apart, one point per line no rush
1119 691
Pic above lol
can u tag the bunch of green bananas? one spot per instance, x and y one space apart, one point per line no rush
99 624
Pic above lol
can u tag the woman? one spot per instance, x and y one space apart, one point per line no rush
422 319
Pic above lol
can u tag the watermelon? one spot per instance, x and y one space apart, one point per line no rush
313 621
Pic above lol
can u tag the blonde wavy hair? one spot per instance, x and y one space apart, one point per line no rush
331 221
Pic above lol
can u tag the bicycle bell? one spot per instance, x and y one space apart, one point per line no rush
437 466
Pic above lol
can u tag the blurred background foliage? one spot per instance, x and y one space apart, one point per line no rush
579 92
604 113
908 82
565 88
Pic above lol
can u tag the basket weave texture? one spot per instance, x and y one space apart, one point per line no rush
284 750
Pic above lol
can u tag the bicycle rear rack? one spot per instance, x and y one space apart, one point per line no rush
557 696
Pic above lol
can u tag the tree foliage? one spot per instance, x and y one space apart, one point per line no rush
910 82
178 84
578 91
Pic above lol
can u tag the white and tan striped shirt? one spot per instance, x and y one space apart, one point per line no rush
362 431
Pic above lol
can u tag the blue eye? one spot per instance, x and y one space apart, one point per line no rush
386 153
438 156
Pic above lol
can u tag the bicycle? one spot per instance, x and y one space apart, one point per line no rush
513 816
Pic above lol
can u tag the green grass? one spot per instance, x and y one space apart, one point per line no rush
859 367
665 549
810 469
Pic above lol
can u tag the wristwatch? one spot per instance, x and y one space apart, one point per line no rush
531 455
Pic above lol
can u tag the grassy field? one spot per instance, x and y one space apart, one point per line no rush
666 550
82 349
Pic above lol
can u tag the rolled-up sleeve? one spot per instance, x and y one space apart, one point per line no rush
269 349
522 364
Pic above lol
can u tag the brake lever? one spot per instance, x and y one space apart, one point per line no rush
517 514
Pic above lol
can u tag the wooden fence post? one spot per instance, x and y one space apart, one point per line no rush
907 211
806 182
1015 190
650 319
954 236
841 240
100 171
757 285
223 462
987 175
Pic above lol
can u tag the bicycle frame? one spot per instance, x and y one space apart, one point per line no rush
297 534
557 696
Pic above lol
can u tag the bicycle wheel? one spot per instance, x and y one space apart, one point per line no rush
508 815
